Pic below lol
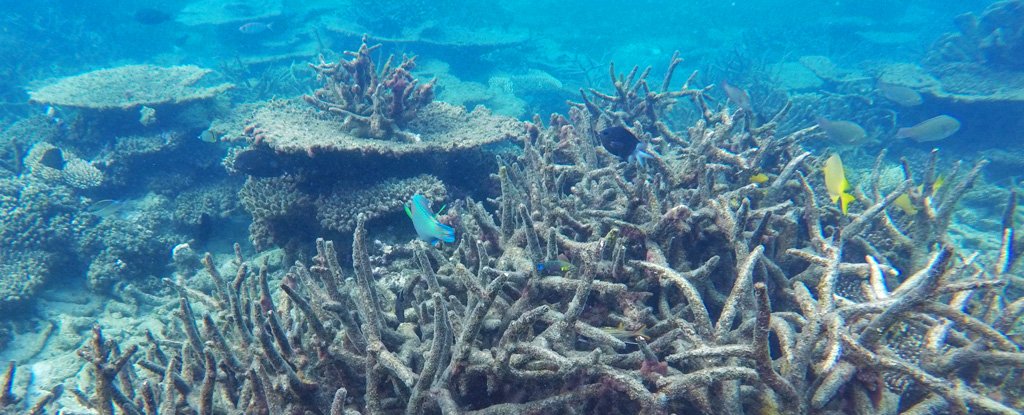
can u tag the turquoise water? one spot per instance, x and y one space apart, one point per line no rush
702 207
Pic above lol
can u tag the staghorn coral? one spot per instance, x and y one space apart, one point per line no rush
372 104
737 297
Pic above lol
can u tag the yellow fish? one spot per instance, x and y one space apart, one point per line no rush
835 182
759 178
939 181
903 202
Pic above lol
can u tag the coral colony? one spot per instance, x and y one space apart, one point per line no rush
626 264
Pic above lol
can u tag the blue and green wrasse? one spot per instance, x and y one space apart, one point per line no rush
426 224
554 267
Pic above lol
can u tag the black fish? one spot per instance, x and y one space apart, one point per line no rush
204 228
258 162
53 158
619 141
149 16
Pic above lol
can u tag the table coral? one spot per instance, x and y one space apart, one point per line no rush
127 87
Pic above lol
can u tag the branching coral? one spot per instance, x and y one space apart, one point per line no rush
692 290
373 104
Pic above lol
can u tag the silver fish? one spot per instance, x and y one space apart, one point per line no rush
104 208
253 28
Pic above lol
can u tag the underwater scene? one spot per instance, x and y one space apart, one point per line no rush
511 207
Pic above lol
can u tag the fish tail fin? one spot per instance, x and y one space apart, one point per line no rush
903 133
408 211
445 233
845 200
270 26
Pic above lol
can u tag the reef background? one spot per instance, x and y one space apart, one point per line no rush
172 176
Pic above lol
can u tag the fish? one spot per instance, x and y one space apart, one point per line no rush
53 158
208 137
554 267
836 183
903 202
254 28
628 336
104 208
425 222
737 96
257 162
621 142
932 129
843 132
759 178
901 95
150 16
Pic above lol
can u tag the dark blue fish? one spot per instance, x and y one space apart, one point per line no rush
258 162
621 142
53 158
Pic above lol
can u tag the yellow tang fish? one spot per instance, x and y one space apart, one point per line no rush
835 181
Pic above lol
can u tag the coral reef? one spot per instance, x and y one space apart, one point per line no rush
995 39
371 126
373 104
691 289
